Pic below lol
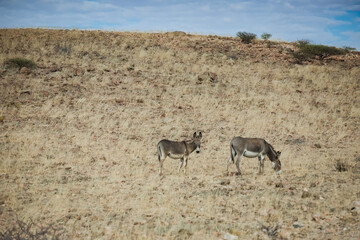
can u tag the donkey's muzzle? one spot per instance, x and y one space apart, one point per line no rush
197 150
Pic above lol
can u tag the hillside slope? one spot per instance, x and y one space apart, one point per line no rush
78 137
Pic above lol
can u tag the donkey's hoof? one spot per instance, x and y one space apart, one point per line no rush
238 174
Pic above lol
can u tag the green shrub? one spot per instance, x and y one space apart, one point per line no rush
266 36
311 51
302 42
19 63
321 50
246 37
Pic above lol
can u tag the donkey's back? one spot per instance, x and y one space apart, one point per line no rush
170 148
250 144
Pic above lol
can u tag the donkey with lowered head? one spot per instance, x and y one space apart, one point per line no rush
251 148
178 150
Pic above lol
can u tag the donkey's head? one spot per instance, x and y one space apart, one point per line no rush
197 141
276 164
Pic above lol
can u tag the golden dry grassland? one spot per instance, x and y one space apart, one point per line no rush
78 137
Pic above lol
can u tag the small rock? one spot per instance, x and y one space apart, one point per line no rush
213 77
54 68
284 234
78 71
25 70
279 185
356 204
225 182
298 225
316 196
229 236
304 208
25 92
305 193
208 76
316 217
317 145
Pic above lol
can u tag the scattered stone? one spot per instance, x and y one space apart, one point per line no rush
316 217
78 72
225 182
356 204
208 76
316 196
2 118
229 236
355 208
25 92
304 208
305 193
120 101
25 70
213 77
279 185
284 234
317 145
54 68
298 225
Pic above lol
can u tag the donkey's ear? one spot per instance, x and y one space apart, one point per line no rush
194 134
200 134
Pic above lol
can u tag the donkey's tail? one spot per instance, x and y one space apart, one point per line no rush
233 152
159 152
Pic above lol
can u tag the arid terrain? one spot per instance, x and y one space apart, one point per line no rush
78 137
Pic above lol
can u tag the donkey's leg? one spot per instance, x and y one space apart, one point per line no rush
238 163
261 163
186 160
180 164
161 161
228 164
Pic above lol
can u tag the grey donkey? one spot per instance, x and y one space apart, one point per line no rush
251 148
178 150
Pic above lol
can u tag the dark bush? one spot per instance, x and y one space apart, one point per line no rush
302 42
23 231
246 37
19 63
266 36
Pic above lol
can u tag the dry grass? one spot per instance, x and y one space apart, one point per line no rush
78 137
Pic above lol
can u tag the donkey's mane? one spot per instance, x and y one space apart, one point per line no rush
272 154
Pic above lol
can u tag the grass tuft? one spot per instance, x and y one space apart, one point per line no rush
341 166
19 63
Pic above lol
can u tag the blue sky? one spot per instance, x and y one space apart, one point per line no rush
330 22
